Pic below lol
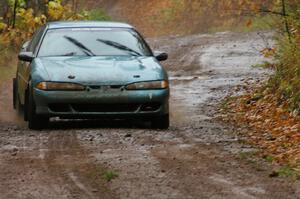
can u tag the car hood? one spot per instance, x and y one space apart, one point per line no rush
102 70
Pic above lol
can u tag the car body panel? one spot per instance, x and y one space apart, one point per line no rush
104 96
103 70
87 24
104 78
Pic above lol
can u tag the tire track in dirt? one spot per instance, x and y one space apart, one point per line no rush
196 158
55 166
67 159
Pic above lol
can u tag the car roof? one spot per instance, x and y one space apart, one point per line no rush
86 24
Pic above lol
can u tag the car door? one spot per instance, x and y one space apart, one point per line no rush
23 71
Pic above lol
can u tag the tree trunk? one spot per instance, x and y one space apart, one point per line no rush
15 14
286 23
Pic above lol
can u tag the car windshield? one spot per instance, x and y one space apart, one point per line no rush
93 42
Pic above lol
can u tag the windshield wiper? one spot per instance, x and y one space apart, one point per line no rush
68 54
82 47
119 46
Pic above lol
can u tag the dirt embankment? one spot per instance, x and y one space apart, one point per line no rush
164 17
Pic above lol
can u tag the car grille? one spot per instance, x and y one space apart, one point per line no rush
105 107
90 108
150 107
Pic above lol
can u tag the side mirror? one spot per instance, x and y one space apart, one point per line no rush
161 56
25 45
26 56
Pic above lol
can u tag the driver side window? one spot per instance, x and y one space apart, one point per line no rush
35 40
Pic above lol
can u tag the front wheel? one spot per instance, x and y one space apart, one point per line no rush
15 93
161 122
16 101
35 122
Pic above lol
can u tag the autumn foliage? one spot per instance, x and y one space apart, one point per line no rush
272 129
27 22
272 110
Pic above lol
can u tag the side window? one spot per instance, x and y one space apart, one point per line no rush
35 39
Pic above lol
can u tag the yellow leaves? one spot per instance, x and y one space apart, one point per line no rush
55 10
268 52
25 26
3 26
27 20
40 20
27 23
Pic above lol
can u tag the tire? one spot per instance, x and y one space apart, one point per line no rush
15 93
26 102
35 122
162 122
16 100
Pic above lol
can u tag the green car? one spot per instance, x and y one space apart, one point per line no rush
90 70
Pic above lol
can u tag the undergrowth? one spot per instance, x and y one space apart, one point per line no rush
285 83
97 15
272 110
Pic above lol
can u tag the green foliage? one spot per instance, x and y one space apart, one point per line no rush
96 15
258 23
286 172
170 12
284 84
110 175
286 80
190 16
21 3
269 158
265 64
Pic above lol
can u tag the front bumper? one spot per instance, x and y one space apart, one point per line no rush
93 103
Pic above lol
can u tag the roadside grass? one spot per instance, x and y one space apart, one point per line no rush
247 24
171 12
256 23
265 65
272 109
286 172
97 15
224 106
100 174
269 158
110 175
273 129
181 18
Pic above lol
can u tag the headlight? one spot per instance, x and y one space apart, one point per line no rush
148 85
58 86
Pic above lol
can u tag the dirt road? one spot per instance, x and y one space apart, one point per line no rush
198 157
